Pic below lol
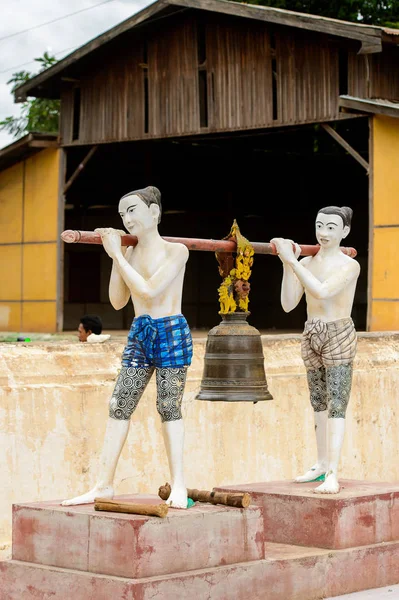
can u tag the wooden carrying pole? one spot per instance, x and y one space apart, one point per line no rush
148 510
90 237
236 500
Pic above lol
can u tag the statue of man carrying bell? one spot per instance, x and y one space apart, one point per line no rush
159 340
329 340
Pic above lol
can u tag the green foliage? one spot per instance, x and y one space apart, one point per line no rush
374 12
37 114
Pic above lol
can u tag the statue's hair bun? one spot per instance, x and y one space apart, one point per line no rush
342 211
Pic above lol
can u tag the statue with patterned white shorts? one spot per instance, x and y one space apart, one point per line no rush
159 340
329 340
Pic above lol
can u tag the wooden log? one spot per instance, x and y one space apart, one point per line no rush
149 510
227 499
71 236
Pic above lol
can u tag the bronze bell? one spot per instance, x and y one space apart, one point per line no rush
234 364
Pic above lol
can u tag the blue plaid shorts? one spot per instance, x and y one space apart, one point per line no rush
164 342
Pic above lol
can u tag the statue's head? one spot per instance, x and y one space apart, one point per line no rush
141 210
333 223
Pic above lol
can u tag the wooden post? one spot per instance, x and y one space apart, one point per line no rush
80 168
345 145
60 245
370 262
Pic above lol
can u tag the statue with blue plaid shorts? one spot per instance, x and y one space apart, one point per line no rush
159 340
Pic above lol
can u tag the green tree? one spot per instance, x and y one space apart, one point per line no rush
372 12
37 114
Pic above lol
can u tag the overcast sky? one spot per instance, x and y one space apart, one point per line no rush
59 38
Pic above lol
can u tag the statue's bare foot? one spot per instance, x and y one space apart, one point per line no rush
97 492
330 485
314 473
178 497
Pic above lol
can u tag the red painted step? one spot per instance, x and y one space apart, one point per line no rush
135 546
287 573
362 513
212 552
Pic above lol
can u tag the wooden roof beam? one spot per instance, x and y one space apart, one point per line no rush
22 92
26 146
370 105
335 135
370 37
79 168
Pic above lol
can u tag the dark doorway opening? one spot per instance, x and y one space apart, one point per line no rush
272 182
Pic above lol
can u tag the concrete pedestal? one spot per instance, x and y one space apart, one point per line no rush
362 513
290 545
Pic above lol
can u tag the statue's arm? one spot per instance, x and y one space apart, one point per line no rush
331 286
291 288
161 279
119 292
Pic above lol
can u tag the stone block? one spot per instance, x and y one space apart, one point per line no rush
363 513
287 573
136 546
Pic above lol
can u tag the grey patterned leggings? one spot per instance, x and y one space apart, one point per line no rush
132 382
330 388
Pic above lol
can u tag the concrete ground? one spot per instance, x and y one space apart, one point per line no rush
121 335
116 335
387 593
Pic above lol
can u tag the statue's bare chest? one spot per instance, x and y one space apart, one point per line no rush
323 270
147 264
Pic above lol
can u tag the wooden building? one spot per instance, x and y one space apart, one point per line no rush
233 111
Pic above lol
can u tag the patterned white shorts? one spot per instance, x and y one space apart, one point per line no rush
328 344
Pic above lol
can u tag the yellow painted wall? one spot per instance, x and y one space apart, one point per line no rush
11 192
41 191
28 243
384 272
40 272
10 269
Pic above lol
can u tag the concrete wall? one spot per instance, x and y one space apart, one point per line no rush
53 409
383 271
28 243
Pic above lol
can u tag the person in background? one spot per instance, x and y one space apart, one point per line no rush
90 328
